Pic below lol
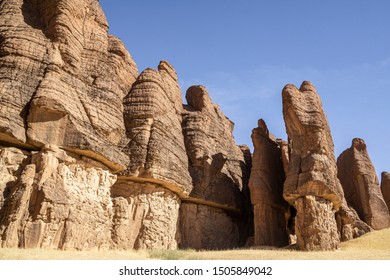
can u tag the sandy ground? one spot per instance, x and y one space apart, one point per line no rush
372 246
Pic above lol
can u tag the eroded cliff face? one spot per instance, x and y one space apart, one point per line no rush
62 82
385 188
55 199
311 184
95 157
271 211
361 186
219 172
63 79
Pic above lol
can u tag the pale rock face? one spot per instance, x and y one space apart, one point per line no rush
206 227
312 170
145 216
11 164
271 211
361 186
63 78
61 201
315 225
385 187
153 122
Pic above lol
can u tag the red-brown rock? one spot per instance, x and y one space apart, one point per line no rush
311 184
266 188
361 186
385 187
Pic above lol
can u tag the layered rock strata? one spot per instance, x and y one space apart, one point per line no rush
185 152
361 186
271 211
218 168
311 184
63 78
385 187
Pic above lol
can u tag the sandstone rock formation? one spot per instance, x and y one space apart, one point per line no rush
311 184
266 187
361 187
349 224
385 187
95 157
59 200
146 216
218 168
177 156
153 123
63 78
217 164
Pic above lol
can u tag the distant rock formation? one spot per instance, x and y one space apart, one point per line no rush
361 186
311 184
385 188
271 211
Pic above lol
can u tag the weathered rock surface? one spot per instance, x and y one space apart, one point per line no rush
385 187
311 184
153 122
219 171
217 164
146 216
271 211
315 224
58 201
206 227
63 78
12 161
349 224
361 186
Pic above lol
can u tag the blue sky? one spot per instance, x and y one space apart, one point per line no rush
245 51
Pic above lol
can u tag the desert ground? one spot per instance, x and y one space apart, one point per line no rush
372 246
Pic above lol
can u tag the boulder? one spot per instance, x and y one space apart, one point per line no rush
361 186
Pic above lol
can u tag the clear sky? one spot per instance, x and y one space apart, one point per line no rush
246 51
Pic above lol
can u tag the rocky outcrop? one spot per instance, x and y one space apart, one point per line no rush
349 224
271 211
361 186
311 184
385 187
218 167
207 227
153 123
217 164
58 200
146 216
93 157
184 153
63 78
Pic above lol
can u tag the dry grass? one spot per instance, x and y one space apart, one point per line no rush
372 246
